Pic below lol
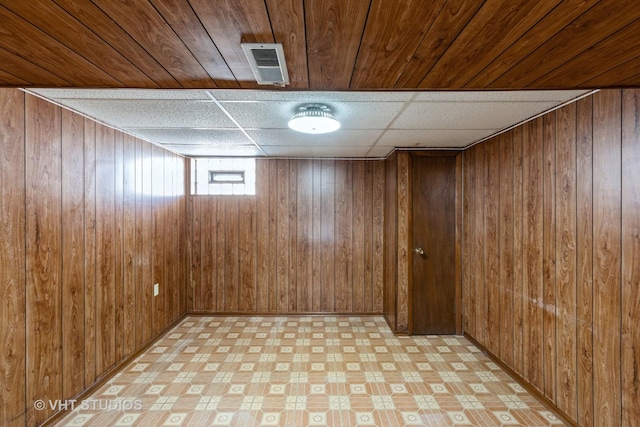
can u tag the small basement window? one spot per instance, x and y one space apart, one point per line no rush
223 176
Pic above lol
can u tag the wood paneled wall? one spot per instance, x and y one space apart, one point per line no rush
551 252
84 234
310 241
397 241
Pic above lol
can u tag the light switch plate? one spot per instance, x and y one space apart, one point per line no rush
156 289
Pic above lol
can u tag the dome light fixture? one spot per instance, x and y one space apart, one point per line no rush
314 119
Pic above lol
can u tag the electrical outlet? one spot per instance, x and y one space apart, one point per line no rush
156 289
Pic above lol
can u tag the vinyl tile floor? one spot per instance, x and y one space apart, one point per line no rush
308 371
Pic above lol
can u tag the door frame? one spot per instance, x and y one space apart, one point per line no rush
458 234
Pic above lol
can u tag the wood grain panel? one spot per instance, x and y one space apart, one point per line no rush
119 245
327 236
492 245
288 26
565 260
157 237
383 54
43 256
111 32
367 237
230 23
589 28
143 23
317 234
170 235
518 250
451 20
304 230
478 262
207 236
89 251
129 244
72 205
230 286
475 48
183 20
293 237
68 31
247 254
273 222
378 224
343 246
334 29
50 54
404 243
9 79
140 263
358 251
292 245
583 66
467 243
390 240
574 249
506 254
630 256
606 256
283 243
584 243
69 321
105 248
146 255
532 159
14 64
262 235
553 22
12 257
549 255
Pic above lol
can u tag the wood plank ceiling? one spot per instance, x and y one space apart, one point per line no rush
329 44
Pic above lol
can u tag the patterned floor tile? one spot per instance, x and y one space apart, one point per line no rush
308 371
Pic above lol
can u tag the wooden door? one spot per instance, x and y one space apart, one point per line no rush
433 259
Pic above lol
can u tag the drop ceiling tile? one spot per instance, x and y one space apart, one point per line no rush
276 114
501 96
295 151
466 115
301 97
216 150
192 136
353 138
173 94
153 113
432 138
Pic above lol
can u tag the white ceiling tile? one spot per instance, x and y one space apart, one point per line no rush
173 94
276 114
301 97
153 114
295 151
217 150
501 96
432 138
192 136
353 138
467 115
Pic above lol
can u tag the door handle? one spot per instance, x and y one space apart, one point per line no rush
419 251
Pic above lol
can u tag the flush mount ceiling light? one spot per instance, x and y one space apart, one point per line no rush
314 119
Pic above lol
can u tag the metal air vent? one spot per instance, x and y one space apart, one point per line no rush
267 63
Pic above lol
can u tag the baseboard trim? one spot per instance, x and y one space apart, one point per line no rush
524 383
279 314
107 375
